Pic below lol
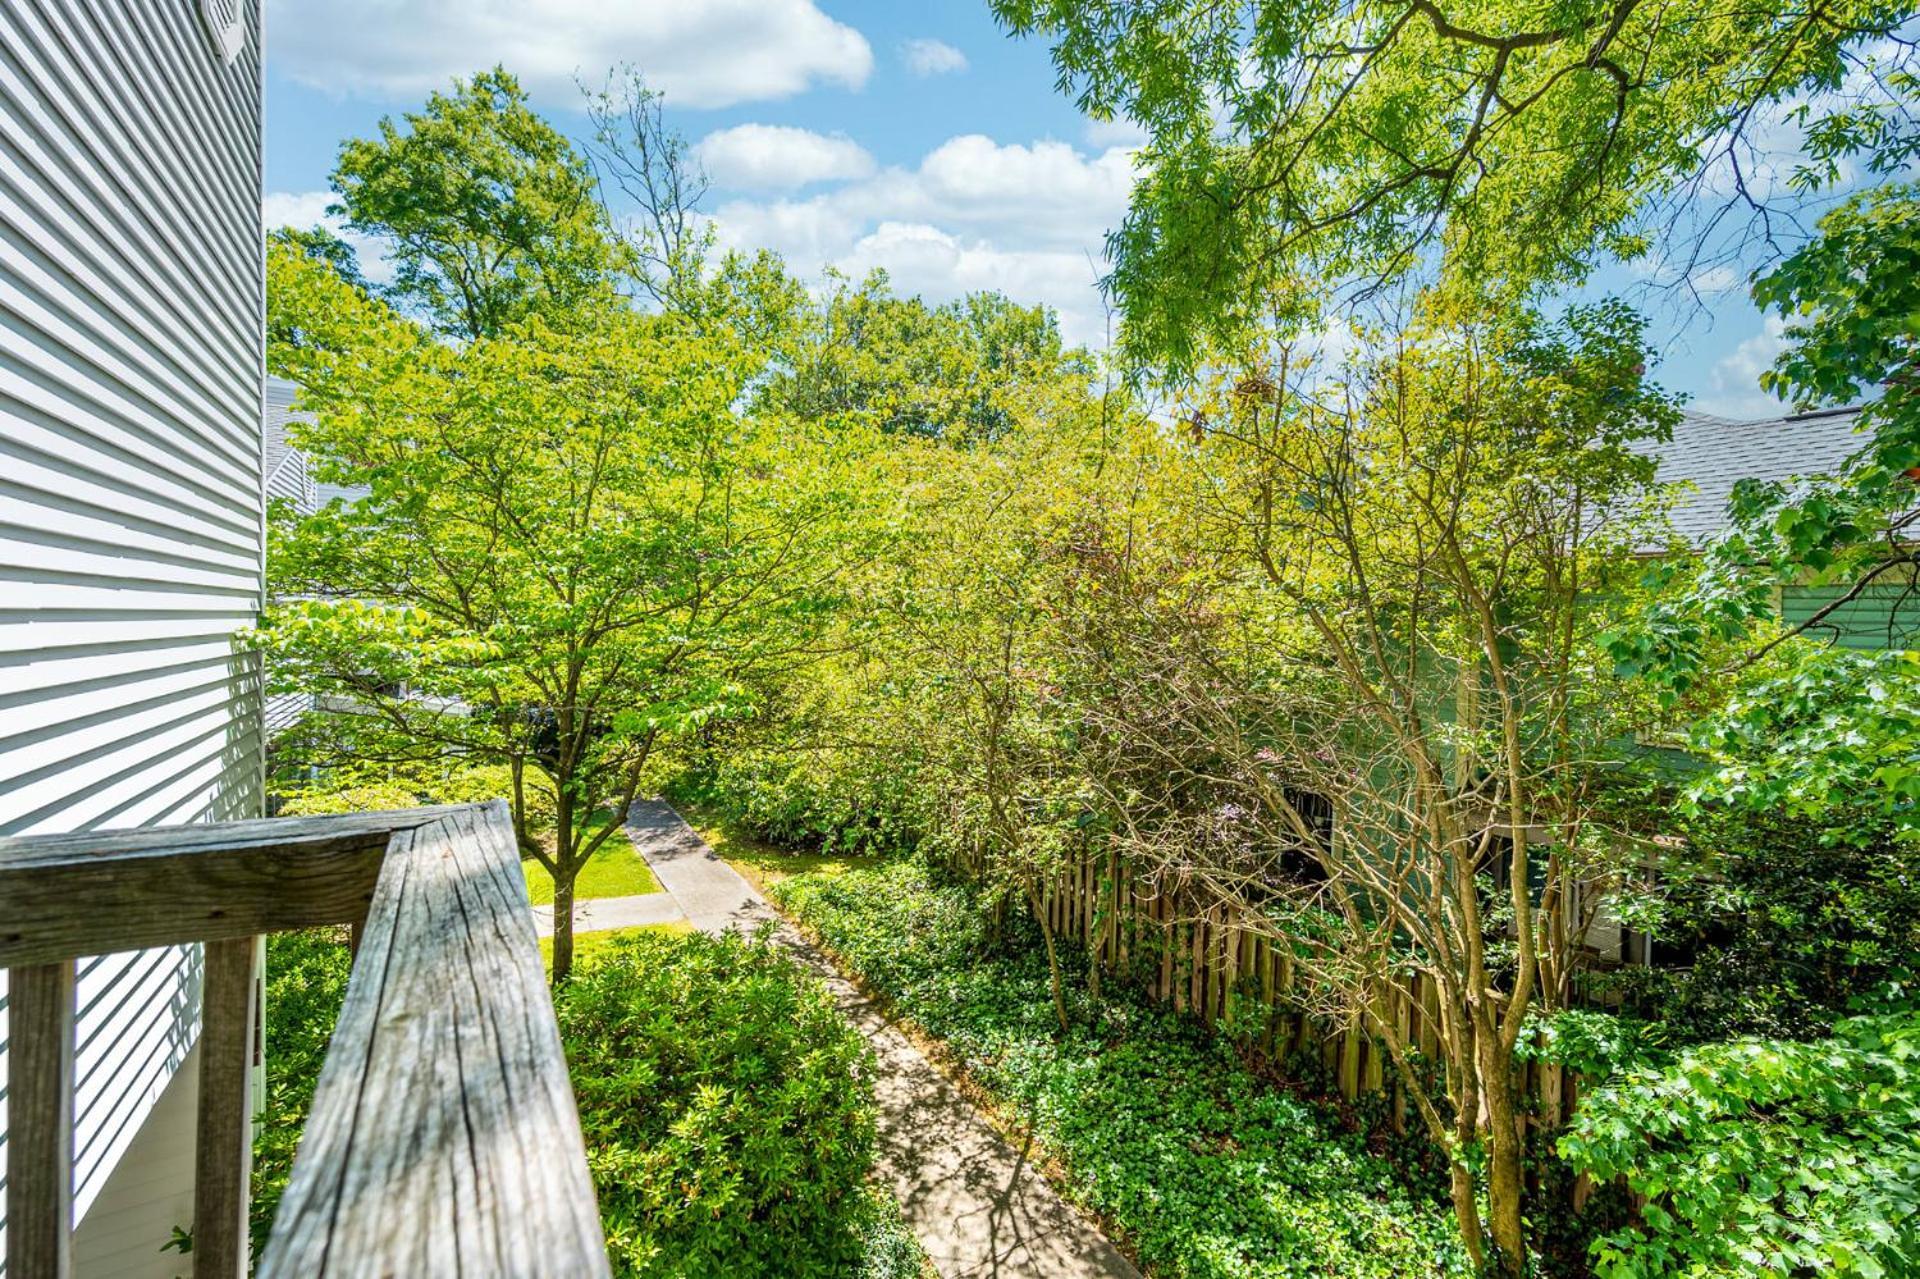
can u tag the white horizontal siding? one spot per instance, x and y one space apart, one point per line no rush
130 503
152 1184
291 480
284 711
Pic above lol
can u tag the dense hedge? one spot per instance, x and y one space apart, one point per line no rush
727 1105
1783 926
804 800
1764 1157
1162 1130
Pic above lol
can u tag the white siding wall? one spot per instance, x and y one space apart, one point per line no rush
130 484
291 480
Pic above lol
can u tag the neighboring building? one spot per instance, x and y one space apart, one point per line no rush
288 475
1712 454
289 471
1715 453
288 478
130 516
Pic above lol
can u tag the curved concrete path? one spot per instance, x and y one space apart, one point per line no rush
976 1204
598 914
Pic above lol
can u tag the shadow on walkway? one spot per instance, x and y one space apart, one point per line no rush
977 1205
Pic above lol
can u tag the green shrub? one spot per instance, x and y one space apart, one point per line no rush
727 1106
306 984
362 788
1764 1157
888 1248
1783 924
805 800
1162 1129
728 1109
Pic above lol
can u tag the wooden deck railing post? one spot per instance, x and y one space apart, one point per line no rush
40 1016
443 1136
224 1127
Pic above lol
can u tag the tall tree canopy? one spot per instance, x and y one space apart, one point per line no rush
1293 142
956 372
572 547
1422 557
489 213
574 544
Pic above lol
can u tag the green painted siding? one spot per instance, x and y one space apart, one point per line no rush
1882 617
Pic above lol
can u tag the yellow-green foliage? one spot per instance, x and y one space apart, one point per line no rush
727 1106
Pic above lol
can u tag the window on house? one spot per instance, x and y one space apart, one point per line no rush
1299 862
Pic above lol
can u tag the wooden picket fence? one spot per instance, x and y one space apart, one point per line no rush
1200 958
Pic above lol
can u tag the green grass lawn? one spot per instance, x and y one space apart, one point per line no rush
615 871
759 862
587 945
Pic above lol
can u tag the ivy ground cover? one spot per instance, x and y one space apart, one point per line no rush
1202 1168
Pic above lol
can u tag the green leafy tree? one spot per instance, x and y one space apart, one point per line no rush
573 547
487 212
969 666
1381 734
1791 720
1299 141
973 623
956 372
322 246
1760 1157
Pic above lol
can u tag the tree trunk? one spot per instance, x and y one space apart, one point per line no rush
562 927
1466 1213
565 870
1463 1091
1506 1165
1053 957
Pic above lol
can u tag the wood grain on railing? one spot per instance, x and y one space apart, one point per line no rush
443 1137
95 893
40 1012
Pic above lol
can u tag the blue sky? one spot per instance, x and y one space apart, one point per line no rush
917 137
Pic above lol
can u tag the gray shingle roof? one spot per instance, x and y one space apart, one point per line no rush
1715 452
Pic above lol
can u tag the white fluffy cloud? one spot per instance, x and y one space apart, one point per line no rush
925 57
771 157
1122 132
1734 383
973 214
300 209
701 53
305 209
937 264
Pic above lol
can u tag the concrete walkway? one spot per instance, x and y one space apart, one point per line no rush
976 1204
598 914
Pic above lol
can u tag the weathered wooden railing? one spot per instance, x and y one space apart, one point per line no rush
443 1138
